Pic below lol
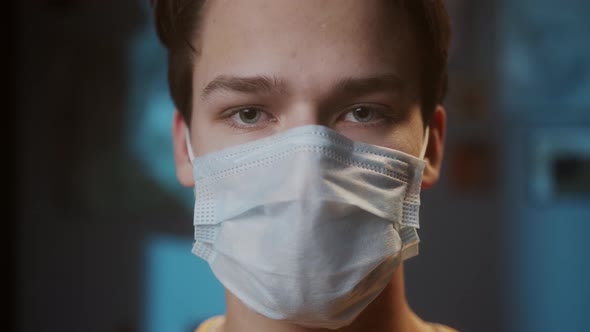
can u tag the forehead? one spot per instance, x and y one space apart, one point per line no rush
307 39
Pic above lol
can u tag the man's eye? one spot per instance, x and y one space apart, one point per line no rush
362 114
248 116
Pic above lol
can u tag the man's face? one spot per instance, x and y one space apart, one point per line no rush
268 66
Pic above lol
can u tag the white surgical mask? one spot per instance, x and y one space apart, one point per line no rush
306 226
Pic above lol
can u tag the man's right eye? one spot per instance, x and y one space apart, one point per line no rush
249 117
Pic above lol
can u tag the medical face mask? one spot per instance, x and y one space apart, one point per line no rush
306 226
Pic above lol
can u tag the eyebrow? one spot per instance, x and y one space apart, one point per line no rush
350 86
250 85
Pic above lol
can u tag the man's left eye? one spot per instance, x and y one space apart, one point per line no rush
362 114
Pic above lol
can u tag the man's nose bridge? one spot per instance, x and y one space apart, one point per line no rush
304 114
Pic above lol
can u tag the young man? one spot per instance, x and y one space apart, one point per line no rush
307 129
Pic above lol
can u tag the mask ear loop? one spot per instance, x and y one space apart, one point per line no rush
425 145
191 155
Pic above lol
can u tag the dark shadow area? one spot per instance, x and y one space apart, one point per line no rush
85 205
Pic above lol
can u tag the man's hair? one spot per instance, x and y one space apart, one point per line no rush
178 24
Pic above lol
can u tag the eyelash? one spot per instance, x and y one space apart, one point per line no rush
229 118
382 116
379 111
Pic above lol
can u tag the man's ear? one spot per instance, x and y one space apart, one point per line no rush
435 149
184 169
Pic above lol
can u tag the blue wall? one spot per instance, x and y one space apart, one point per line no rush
544 70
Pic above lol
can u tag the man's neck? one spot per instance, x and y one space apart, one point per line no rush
387 313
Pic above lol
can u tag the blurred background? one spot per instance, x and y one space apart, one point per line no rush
102 235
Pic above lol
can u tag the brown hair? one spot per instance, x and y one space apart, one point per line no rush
177 24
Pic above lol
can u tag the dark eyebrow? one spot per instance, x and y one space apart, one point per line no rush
371 84
253 84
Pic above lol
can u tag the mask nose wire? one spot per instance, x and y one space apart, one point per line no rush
191 154
425 144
